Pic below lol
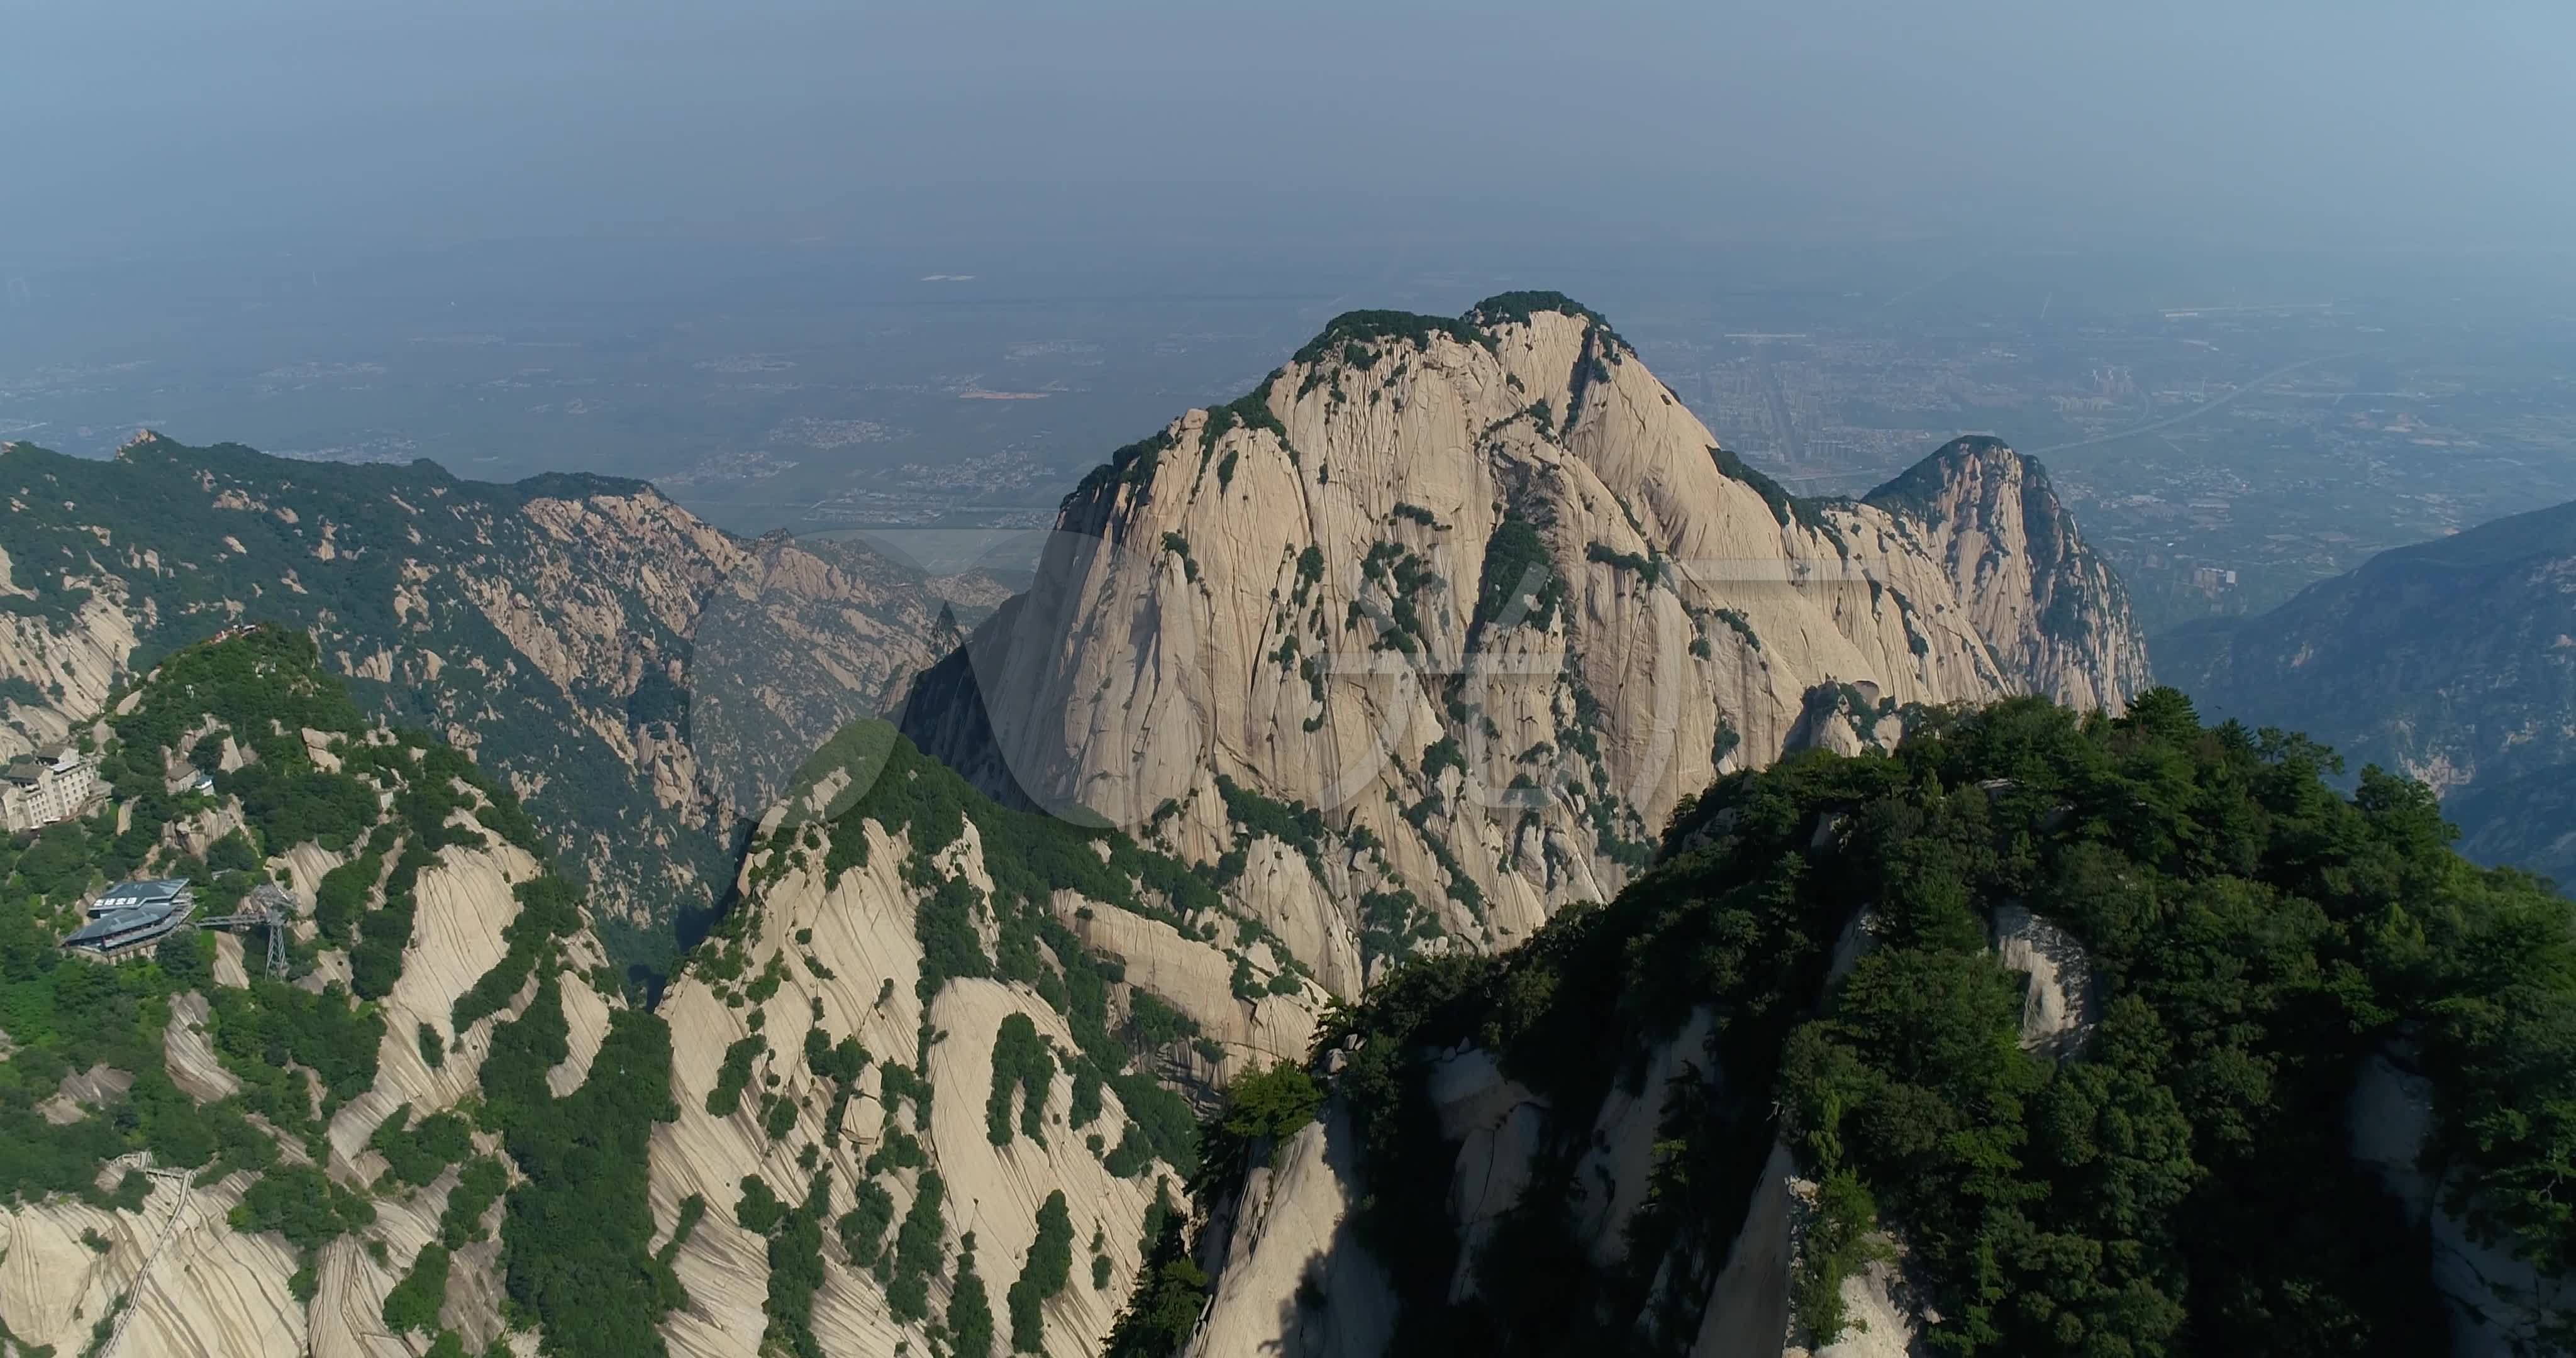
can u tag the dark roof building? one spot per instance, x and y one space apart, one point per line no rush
134 913
149 893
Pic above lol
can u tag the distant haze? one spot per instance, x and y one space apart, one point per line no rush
160 128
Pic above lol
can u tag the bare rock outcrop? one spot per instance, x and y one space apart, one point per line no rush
860 935
2064 1001
1487 601
2501 1307
56 670
1294 1281
830 946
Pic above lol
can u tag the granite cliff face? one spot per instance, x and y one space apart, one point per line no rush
988 1026
1464 608
2054 610
646 681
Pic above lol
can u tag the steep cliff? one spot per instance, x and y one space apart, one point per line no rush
1470 605
645 681
931 1010
939 1074
2052 607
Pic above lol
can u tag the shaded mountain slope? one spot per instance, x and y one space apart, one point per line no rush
2452 661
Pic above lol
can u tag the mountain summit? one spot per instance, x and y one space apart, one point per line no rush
1463 608
2051 605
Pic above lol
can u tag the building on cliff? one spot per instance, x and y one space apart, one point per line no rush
134 913
51 785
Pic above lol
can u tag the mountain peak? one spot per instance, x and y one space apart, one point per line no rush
1506 510
144 439
1926 487
581 486
1516 308
1363 357
1374 325
1476 325
1991 515
1971 445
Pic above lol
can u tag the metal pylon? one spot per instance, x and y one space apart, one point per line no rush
275 904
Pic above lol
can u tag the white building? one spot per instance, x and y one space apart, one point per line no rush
53 784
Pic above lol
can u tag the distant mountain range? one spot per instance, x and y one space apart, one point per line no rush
644 680
2451 661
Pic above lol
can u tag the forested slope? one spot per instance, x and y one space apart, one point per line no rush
1801 1072
644 681
2450 661
433 1124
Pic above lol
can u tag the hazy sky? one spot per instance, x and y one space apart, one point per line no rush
164 126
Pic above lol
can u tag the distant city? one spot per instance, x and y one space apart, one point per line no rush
2227 433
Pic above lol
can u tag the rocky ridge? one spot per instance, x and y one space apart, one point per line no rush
935 1011
644 680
